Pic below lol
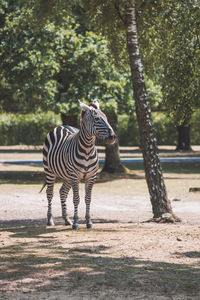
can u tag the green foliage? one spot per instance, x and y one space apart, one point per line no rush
29 129
169 41
27 62
154 94
89 75
50 56
195 125
51 65
128 130
166 132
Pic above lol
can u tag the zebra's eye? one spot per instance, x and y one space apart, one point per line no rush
95 116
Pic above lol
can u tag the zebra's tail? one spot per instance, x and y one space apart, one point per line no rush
42 187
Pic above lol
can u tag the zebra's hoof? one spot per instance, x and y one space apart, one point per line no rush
89 225
75 226
68 222
50 222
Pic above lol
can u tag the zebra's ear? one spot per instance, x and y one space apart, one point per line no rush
84 106
95 104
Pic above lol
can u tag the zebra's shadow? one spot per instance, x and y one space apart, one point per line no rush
34 228
42 222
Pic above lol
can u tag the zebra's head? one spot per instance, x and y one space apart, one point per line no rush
96 123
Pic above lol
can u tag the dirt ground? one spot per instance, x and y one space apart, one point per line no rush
122 257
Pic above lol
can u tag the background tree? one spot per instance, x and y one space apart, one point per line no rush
170 47
53 65
27 62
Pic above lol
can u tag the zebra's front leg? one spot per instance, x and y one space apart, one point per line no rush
88 193
76 200
49 193
64 190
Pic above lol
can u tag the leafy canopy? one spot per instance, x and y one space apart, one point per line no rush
51 65
171 53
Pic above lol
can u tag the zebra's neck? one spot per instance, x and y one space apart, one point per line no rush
86 140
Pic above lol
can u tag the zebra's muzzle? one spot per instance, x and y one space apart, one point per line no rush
111 139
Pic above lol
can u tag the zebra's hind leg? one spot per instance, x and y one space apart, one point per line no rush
76 200
64 190
88 192
50 185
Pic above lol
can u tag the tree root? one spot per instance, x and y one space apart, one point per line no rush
165 218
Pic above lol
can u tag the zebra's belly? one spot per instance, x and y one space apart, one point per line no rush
87 173
85 170
77 169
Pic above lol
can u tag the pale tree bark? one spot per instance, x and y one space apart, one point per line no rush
153 172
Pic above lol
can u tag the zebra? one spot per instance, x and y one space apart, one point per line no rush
71 155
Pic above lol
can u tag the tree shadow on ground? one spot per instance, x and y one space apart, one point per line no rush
190 254
35 177
46 265
133 171
21 177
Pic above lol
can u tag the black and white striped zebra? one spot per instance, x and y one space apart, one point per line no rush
71 155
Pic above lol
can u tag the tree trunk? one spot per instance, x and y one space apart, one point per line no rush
112 156
160 203
183 138
70 119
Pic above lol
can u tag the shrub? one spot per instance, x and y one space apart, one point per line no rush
166 132
128 130
129 135
195 126
29 129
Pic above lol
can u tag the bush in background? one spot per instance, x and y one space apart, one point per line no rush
195 128
128 130
166 131
29 129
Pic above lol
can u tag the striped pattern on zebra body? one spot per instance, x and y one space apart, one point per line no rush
71 155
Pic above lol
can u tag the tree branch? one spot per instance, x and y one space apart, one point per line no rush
118 12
